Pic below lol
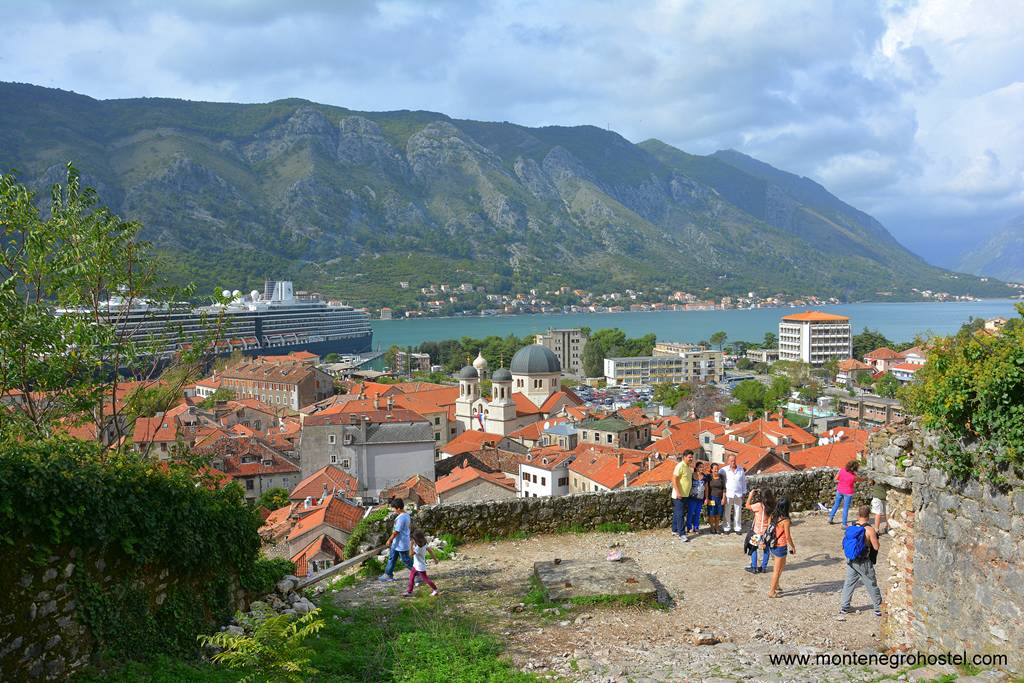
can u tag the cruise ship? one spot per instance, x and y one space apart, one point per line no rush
274 321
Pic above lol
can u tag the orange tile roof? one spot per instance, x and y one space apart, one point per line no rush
429 401
533 431
547 457
233 450
849 433
675 443
603 468
852 364
461 476
814 316
524 406
334 512
322 543
659 474
330 476
906 367
882 353
418 484
471 440
551 401
634 416
829 455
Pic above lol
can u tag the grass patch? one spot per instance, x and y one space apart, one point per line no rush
419 641
537 596
450 545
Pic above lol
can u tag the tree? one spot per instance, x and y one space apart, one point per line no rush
863 378
332 358
797 372
68 367
737 412
391 358
771 341
831 368
221 394
671 394
593 358
274 498
809 393
701 400
972 390
777 393
867 341
718 339
751 394
887 385
744 364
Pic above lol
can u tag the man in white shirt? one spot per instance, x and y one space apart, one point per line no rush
735 488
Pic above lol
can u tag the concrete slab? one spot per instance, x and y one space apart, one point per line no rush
591 578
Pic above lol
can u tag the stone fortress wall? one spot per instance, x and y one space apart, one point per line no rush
957 554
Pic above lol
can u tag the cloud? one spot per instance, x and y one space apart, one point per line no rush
909 110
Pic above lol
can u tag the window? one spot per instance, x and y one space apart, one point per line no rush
334 459
534 478
526 477
543 481
332 439
437 420
249 484
346 463
563 481
609 438
437 436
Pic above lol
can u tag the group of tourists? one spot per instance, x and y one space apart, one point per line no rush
718 492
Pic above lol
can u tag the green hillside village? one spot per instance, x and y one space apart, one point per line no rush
186 503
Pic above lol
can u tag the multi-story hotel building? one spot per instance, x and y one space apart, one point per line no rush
567 345
814 337
671 362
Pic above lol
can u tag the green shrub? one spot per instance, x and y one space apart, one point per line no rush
363 528
62 495
972 389
265 572
273 651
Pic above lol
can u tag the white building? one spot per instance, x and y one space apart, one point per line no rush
545 474
567 345
814 337
695 364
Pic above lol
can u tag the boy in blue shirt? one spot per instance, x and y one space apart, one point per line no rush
398 542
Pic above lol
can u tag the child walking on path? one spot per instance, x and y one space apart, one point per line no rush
398 542
419 563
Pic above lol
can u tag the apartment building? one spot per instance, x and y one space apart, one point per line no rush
685 364
814 337
289 384
567 345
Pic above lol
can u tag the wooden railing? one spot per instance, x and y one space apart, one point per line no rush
338 568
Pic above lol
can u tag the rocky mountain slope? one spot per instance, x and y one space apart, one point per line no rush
1002 256
353 202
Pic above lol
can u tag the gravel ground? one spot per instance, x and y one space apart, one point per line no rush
706 593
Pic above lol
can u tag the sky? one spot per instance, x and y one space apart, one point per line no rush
911 111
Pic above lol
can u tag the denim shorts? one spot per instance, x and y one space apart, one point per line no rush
716 508
780 552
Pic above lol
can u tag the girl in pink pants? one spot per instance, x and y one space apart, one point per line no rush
419 563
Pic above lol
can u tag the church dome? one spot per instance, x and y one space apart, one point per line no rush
502 375
534 360
480 363
468 372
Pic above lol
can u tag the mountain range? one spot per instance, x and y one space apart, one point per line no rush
353 202
1002 256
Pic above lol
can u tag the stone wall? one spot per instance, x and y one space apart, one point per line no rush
957 577
43 626
641 508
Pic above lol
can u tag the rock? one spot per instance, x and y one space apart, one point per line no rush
518 607
235 630
285 585
705 638
303 607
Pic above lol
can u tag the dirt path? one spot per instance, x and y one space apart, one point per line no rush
705 588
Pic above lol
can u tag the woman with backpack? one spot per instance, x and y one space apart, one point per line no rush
761 502
846 479
779 537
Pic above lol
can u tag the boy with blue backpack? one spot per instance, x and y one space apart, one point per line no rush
860 546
